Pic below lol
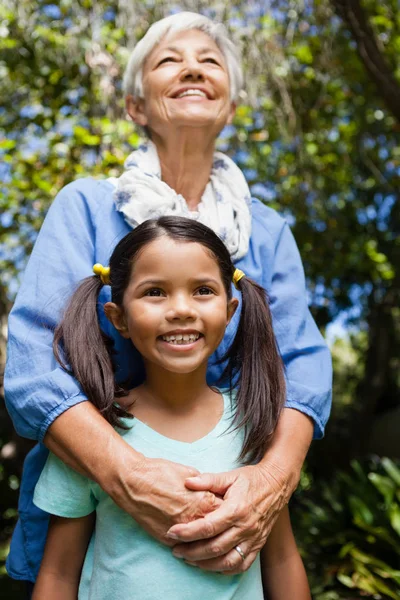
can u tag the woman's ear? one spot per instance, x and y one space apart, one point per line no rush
115 315
232 113
232 306
135 109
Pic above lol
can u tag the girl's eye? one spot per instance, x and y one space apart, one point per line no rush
205 291
154 292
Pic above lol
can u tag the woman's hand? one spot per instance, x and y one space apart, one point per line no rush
252 500
154 493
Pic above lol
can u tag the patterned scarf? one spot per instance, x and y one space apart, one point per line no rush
225 205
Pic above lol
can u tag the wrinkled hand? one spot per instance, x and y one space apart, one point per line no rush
253 496
155 495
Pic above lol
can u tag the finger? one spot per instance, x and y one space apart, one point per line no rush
209 526
218 483
207 549
208 503
230 564
245 565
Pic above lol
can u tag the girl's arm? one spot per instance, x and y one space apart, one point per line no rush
283 573
66 545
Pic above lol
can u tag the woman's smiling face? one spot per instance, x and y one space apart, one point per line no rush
185 83
175 308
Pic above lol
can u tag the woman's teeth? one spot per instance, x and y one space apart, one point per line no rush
181 338
192 93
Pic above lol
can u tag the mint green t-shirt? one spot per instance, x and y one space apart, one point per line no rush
123 562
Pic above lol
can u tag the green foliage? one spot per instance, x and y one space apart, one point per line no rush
316 142
348 368
314 134
349 530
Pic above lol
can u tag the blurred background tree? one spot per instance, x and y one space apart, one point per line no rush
317 135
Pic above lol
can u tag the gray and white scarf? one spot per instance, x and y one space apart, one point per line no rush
225 205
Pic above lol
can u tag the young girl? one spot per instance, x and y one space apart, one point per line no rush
171 290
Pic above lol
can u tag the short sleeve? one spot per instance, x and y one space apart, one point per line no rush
62 492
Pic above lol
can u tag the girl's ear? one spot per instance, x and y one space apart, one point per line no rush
135 109
232 306
115 315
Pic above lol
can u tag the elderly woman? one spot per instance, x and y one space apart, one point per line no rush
182 84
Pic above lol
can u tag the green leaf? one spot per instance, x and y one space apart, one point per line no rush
394 515
346 580
384 485
392 470
360 510
304 54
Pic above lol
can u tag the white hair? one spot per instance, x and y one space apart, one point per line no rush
183 21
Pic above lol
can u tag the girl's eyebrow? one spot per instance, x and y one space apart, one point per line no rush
195 280
204 280
151 282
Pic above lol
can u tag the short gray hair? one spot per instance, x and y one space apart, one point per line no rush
183 21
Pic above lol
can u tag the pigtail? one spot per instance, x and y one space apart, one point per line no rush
255 369
82 349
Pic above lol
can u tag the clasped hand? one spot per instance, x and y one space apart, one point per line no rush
210 514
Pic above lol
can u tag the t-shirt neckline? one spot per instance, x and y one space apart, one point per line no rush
141 429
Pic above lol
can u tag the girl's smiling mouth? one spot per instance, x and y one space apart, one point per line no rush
181 338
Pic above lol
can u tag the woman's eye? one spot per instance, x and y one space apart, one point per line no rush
204 291
166 59
211 60
153 292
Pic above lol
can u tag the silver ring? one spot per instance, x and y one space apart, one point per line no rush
240 551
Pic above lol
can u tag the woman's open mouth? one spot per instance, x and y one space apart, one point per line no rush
198 93
193 92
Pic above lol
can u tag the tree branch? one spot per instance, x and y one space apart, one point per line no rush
378 69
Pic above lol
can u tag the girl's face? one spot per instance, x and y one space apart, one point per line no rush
175 308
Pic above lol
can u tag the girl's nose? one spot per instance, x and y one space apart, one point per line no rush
181 309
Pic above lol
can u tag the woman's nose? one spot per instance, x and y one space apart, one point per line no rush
193 71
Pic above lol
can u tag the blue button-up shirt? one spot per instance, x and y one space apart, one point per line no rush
82 227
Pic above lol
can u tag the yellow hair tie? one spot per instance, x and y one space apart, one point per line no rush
102 272
237 276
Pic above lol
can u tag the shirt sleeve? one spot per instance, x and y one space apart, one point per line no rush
37 389
62 492
305 354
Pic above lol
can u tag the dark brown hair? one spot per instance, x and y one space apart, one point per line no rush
253 364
